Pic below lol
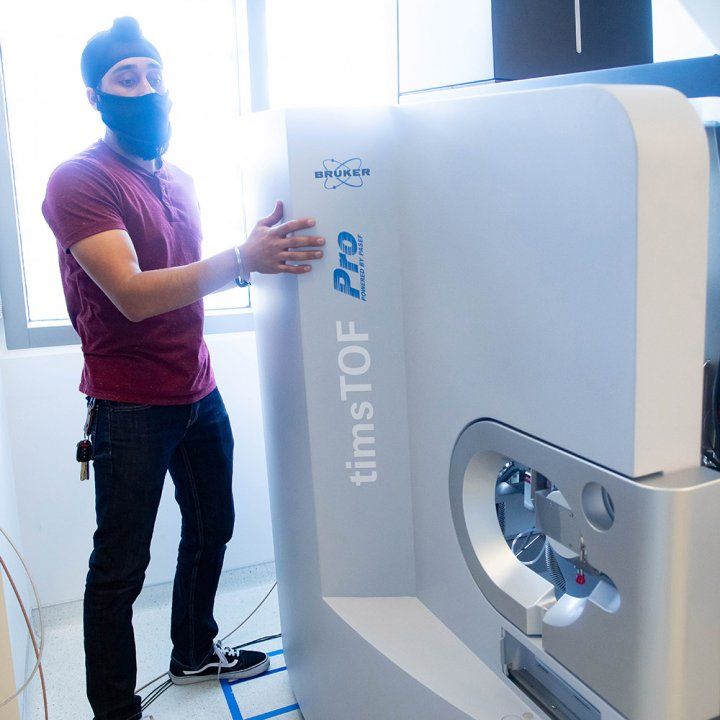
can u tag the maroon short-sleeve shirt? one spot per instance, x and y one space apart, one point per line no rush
159 361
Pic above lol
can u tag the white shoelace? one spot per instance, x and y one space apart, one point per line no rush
228 656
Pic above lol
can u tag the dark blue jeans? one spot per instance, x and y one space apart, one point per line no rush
134 447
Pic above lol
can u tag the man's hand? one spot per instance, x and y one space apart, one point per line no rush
269 249
109 258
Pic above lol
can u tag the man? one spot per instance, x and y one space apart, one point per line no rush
128 232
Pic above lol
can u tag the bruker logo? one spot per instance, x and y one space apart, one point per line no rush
349 173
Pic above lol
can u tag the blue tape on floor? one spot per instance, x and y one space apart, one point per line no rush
275 713
231 701
269 672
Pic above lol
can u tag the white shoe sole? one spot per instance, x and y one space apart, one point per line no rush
236 675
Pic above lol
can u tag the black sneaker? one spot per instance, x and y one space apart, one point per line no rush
228 664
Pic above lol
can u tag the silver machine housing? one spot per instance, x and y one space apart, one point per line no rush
513 278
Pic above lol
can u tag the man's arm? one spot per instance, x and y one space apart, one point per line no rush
109 258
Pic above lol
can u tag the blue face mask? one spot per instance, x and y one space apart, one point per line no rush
140 124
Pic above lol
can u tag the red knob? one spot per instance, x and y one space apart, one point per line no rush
580 579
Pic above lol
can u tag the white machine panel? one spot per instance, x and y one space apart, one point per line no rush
531 265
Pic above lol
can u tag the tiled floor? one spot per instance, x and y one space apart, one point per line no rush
268 696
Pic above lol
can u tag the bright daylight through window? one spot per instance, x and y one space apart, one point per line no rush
51 120
346 57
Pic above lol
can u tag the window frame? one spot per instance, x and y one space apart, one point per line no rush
20 331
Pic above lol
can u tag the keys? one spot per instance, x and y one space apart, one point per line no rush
83 455
83 452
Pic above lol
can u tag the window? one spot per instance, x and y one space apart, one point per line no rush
50 119
220 56
331 52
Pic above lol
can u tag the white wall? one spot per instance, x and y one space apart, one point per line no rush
45 413
444 42
679 33
449 42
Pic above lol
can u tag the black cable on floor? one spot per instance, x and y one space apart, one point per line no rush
258 641
155 694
